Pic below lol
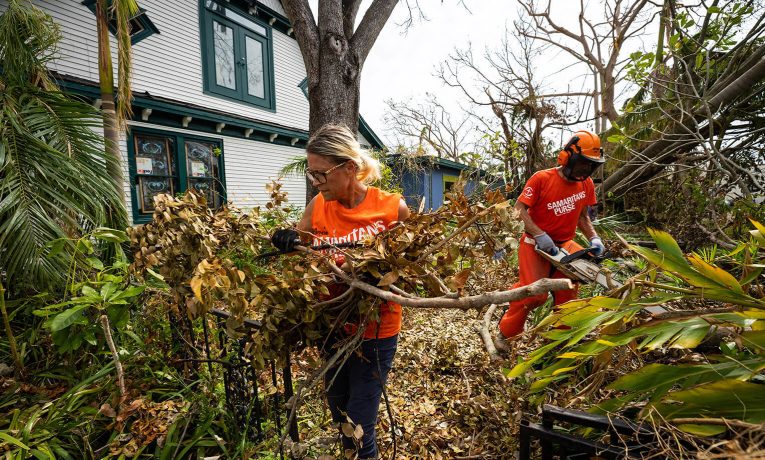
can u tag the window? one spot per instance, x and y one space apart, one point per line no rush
448 182
172 163
237 55
140 25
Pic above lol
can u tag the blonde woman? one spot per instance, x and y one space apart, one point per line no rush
348 209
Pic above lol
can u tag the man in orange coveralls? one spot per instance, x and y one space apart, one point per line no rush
552 205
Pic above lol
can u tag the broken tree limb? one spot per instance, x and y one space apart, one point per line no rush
484 331
463 303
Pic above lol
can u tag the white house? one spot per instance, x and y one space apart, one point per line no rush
219 96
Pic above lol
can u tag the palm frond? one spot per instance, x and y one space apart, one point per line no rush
122 11
53 179
296 167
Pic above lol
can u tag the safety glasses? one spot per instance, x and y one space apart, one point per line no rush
320 177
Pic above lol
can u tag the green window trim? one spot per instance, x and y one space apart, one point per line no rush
176 144
257 37
448 179
139 23
447 183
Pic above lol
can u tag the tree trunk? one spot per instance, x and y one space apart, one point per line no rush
333 53
106 83
334 92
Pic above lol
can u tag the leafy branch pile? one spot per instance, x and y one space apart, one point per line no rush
699 365
209 260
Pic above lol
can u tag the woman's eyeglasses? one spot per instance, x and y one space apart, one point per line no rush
321 177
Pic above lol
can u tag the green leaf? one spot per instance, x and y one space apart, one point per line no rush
753 339
654 376
85 246
667 245
731 399
716 274
535 356
703 430
680 268
752 275
56 246
110 234
130 291
66 318
95 263
10 439
108 290
689 339
90 337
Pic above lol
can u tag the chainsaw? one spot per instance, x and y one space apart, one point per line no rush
583 266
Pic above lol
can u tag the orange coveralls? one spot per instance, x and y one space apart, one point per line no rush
554 204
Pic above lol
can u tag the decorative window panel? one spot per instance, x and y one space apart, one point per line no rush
168 163
237 55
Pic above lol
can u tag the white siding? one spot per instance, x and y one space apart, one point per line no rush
275 5
248 165
169 64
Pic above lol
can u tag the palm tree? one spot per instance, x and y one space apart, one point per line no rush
53 167
120 11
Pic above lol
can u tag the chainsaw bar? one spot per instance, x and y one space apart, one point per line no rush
578 269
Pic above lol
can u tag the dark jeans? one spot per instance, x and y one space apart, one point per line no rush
357 389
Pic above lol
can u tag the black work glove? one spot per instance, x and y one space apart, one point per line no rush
285 240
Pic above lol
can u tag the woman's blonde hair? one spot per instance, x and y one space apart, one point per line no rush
337 141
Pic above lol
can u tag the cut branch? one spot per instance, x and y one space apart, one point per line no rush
462 303
484 331
115 355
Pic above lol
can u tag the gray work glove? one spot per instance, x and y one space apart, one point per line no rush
545 243
596 244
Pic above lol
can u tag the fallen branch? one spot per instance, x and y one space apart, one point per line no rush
483 331
463 303
115 356
297 398
456 232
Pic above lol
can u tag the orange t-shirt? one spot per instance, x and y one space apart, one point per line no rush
333 223
556 203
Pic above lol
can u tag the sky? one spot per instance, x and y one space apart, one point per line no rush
402 63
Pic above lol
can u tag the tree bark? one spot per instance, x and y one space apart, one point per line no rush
334 55
106 84
115 356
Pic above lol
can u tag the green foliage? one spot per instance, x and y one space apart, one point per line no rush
53 183
690 207
102 290
710 298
